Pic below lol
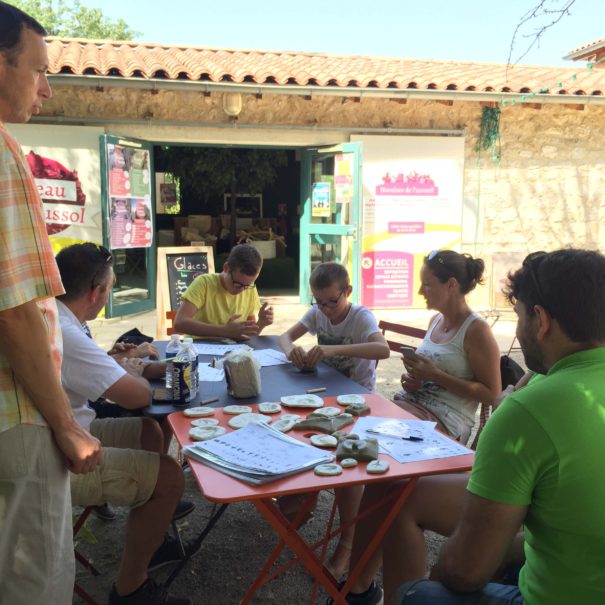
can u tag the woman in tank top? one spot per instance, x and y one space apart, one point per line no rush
458 363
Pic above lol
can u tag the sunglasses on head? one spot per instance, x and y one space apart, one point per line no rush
435 255
107 258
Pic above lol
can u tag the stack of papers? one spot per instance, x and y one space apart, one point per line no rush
408 440
257 454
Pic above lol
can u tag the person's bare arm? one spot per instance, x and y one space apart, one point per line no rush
184 323
481 541
26 346
375 348
297 355
484 358
130 392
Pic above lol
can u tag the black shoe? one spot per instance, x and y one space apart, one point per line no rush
149 593
372 596
105 512
183 508
170 552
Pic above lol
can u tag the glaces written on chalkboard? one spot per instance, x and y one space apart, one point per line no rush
182 270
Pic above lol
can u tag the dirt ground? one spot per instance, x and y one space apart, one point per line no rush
239 545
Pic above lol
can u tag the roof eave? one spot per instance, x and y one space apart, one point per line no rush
310 91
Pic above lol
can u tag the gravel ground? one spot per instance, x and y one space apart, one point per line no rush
241 542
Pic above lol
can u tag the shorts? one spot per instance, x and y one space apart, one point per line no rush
36 539
127 476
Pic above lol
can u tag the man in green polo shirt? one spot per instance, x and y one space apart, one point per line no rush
540 457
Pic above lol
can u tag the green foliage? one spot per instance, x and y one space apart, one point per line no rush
71 19
210 172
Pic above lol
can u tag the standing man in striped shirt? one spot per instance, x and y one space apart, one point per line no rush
39 437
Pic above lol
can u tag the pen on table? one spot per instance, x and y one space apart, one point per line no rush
318 390
211 400
407 438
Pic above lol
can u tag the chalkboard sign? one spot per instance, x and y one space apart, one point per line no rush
177 268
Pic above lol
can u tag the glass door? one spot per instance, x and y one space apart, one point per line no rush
128 223
330 221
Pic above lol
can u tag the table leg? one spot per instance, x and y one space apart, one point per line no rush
305 553
290 536
406 490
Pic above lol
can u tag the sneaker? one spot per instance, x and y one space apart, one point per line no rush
149 593
183 508
372 596
170 552
104 512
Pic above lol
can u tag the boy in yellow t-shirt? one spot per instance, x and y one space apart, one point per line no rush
213 305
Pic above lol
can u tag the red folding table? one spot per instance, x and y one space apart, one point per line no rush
221 488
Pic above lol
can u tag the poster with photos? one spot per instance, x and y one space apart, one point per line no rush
129 185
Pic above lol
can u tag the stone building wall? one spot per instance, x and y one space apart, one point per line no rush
546 192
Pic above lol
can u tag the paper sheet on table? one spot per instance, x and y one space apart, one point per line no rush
209 374
270 357
433 445
211 348
257 454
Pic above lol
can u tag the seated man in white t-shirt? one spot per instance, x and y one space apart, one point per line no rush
134 471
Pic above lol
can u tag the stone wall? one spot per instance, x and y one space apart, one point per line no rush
545 192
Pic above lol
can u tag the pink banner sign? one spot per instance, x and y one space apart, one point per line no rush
387 278
410 184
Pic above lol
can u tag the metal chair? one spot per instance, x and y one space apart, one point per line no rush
80 558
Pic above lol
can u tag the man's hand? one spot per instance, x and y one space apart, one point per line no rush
265 315
146 349
135 367
298 357
240 330
121 347
82 450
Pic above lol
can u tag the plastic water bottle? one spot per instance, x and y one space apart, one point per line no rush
187 352
173 347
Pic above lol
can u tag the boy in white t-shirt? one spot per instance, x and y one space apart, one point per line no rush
348 339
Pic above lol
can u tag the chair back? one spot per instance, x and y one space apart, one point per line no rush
409 331
170 315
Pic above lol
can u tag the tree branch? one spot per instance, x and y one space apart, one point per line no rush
540 11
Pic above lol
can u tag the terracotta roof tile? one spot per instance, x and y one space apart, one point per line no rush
141 60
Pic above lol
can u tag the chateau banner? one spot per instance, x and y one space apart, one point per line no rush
66 167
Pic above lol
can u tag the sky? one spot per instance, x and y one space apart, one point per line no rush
464 30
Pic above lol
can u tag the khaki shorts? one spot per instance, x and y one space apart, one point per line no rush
127 476
36 545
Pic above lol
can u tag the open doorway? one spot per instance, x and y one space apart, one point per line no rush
195 189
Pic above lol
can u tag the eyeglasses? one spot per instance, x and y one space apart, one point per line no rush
531 263
435 255
329 304
239 285
107 258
